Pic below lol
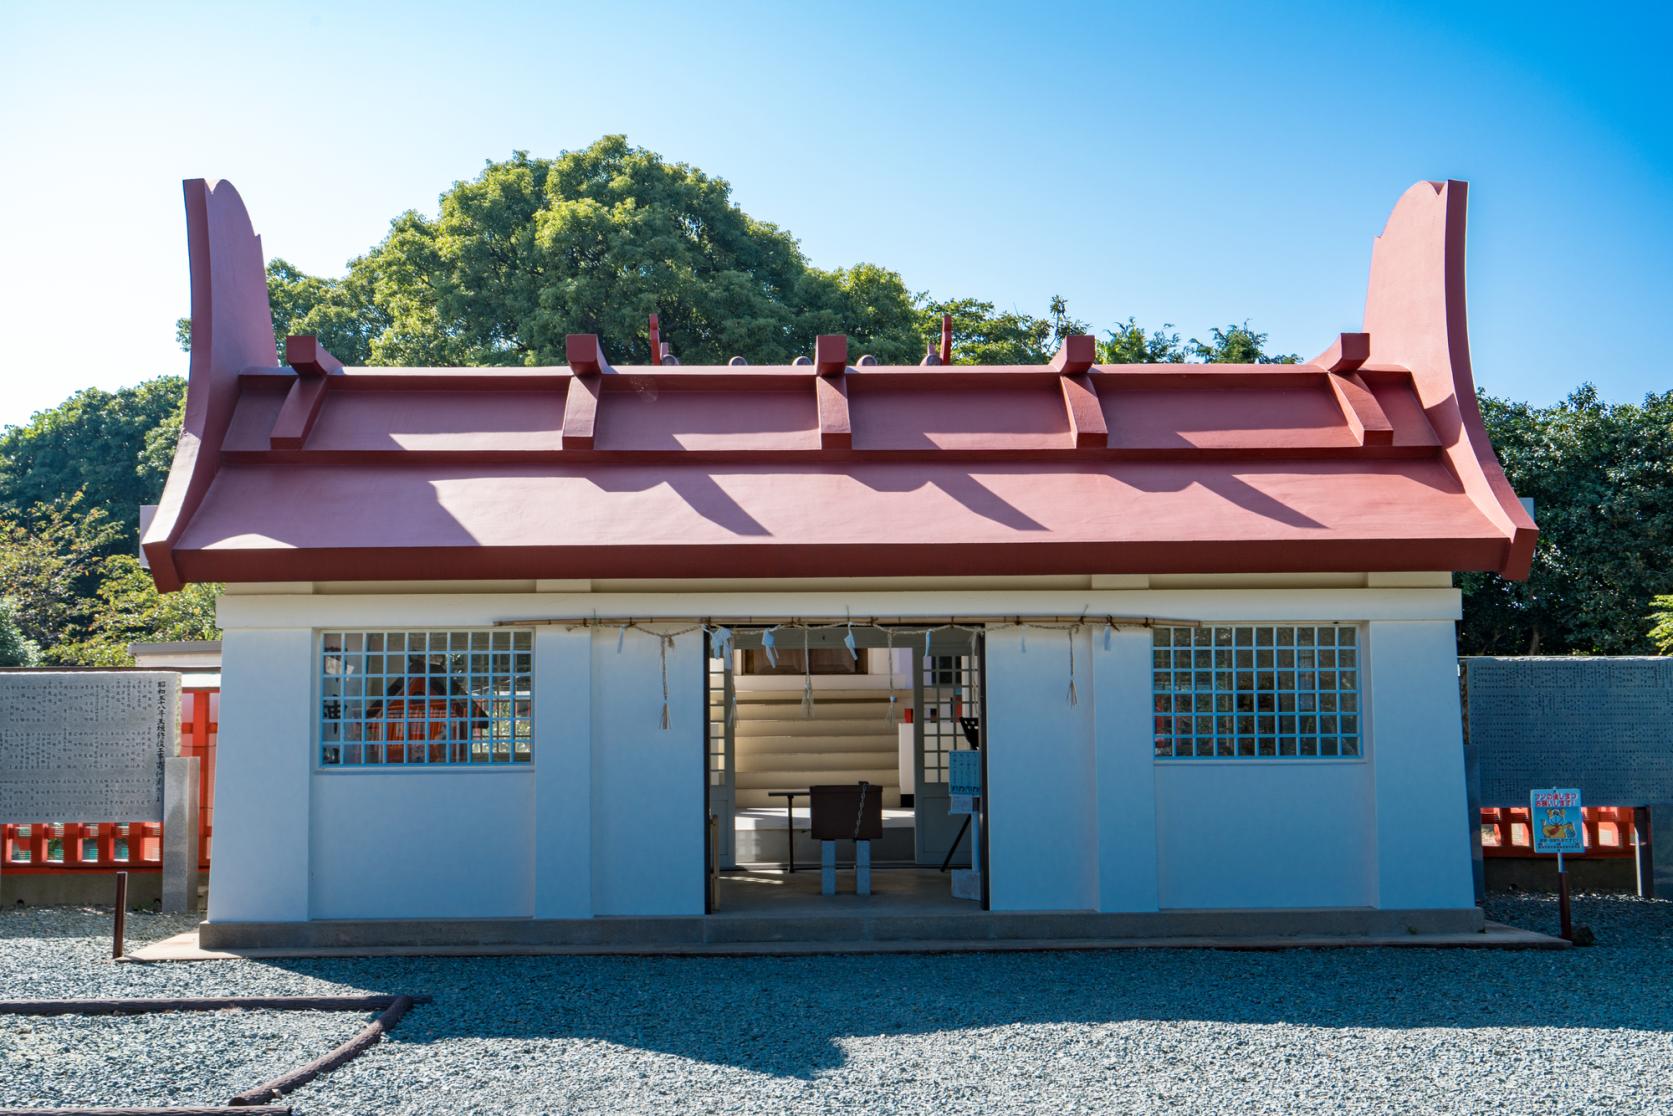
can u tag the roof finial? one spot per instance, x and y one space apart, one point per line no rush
830 354
656 342
946 339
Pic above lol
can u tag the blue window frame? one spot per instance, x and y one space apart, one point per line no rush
429 698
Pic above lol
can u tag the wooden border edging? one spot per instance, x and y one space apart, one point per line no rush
271 1090
204 1003
196 1110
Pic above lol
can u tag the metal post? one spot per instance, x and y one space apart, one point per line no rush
1641 860
121 913
714 862
1565 922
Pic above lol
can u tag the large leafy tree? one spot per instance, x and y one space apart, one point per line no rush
15 648
1236 344
50 565
128 609
1661 624
1601 477
1130 343
985 335
89 443
593 241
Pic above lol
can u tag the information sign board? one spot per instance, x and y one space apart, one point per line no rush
1554 814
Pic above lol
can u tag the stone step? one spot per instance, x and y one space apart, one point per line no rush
867 724
753 787
769 763
796 745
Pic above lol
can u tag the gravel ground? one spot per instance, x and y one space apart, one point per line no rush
1587 1030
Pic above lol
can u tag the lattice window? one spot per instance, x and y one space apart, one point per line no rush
426 697
1257 692
952 694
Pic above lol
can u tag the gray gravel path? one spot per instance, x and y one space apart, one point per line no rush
1353 1031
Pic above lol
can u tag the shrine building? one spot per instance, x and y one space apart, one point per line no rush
592 653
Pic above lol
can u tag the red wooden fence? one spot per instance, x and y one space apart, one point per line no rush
35 848
1505 831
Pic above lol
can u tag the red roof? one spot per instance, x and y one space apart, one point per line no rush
1371 457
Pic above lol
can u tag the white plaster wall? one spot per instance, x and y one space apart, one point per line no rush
563 760
422 843
1125 772
263 758
1423 834
610 818
648 783
1042 806
1249 834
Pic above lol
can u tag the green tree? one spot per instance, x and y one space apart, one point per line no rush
15 649
985 335
157 452
1128 343
338 311
89 443
50 565
1601 477
1236 344
593 241
128 609
1661 628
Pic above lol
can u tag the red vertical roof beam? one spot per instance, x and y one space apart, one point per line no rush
946 339
314 367
1364 414
1074 361
830 385
580 409
656 341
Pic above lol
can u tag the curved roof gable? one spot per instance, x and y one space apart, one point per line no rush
1370 457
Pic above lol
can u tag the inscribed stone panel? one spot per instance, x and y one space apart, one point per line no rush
1604 725
86 746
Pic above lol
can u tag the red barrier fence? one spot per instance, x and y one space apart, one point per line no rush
37 849
200 724
40 849
1505 831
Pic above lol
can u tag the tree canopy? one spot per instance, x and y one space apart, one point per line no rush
1601 478
89 443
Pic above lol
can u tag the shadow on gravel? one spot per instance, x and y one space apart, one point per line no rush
788 1016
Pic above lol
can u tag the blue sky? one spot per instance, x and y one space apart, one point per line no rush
1182 163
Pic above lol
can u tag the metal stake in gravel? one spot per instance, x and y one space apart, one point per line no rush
121 914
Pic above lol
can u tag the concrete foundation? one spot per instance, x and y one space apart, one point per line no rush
1612 874
650 934
78 889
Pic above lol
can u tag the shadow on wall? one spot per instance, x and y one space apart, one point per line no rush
790 1017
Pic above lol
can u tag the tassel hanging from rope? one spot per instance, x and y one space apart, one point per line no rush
665 640
1073 699
807 677
723 648
889 713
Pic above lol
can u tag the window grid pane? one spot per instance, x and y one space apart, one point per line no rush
1256 692
440 698
951 693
